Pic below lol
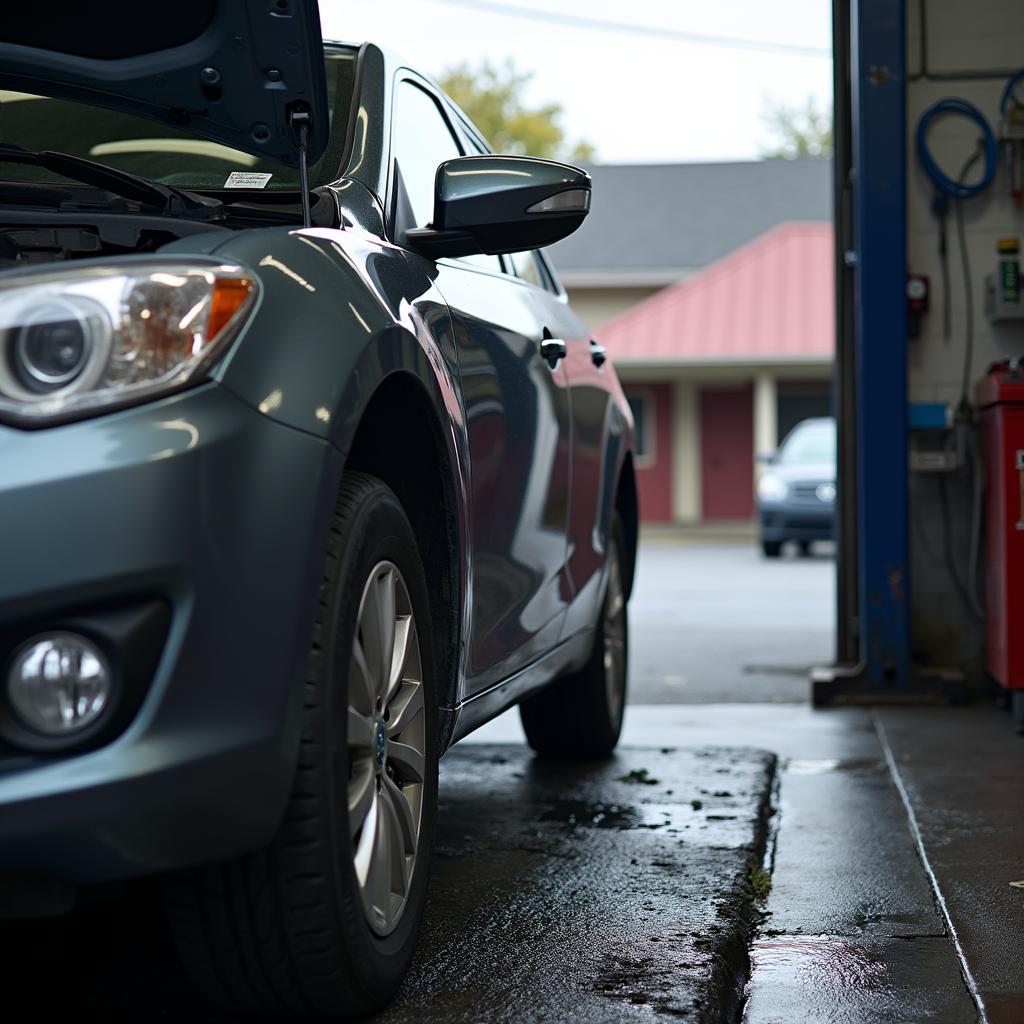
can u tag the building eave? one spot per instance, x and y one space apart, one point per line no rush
751 361
656 278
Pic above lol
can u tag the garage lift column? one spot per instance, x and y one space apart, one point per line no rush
871 42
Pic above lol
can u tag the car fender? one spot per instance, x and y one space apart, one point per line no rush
341 312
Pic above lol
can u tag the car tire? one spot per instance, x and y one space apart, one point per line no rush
294 929
771 548
579 716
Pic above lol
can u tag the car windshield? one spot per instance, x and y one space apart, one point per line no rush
155 150
810 442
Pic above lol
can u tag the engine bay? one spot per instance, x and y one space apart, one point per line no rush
32 237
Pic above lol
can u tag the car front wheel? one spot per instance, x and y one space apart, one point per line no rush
324 921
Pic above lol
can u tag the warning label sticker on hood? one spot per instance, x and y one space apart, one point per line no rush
247 179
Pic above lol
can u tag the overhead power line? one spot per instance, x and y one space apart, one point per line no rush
651 31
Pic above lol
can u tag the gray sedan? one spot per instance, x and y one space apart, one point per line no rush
797 490
307 469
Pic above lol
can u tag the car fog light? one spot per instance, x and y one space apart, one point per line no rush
59 683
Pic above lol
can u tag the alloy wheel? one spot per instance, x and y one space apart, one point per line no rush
386 740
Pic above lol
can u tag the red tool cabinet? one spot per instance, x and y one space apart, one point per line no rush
1000 397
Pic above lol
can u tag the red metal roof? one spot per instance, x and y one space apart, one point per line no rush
771 300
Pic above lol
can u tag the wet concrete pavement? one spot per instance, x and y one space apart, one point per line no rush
690 597
855 928
618 891
962 773
571 894
852 931
610 892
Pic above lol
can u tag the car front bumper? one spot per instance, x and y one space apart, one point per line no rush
800 522
213 511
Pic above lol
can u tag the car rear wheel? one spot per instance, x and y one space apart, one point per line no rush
325 920
579 716
771 548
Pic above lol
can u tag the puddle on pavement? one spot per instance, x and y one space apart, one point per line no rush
581 814
794 671
818 978
820 961
805 766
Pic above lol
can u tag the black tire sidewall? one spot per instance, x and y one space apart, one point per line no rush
571 718
379 531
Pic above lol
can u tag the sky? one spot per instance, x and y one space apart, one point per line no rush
636 98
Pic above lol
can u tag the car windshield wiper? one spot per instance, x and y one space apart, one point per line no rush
174 201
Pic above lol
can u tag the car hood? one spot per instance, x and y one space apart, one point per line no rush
791 472
231 71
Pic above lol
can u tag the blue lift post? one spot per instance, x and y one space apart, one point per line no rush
877 102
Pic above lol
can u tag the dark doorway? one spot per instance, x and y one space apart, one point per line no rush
800 400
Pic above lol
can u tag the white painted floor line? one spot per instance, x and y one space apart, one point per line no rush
940 900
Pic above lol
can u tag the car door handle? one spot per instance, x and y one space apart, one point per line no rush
598 354
552 349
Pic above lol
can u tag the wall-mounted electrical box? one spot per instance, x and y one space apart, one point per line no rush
930 448
997 308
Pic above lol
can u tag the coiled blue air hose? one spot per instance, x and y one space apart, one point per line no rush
944 184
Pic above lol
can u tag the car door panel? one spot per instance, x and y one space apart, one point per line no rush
592 484
518 424
517 419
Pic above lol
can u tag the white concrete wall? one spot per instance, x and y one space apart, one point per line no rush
963 35
971 35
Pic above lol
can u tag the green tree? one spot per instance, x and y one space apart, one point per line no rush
493 98
803 130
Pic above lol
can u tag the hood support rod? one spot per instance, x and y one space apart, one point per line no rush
299 121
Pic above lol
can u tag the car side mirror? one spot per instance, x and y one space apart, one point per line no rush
497 204
767 458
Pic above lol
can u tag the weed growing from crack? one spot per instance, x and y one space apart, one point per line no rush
760 883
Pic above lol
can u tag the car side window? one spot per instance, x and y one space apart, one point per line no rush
547 273
527 268
422 142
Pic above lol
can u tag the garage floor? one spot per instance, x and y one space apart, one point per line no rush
856 926
893 868
610 892
631 890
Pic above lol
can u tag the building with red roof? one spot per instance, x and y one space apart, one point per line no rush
720 365
711 287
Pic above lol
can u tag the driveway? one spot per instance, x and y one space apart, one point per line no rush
718 622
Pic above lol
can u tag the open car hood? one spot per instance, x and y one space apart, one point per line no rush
232 71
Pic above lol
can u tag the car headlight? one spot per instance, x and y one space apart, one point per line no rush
771 488
79 341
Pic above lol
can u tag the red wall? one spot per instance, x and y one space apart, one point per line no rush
654 480
727 453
